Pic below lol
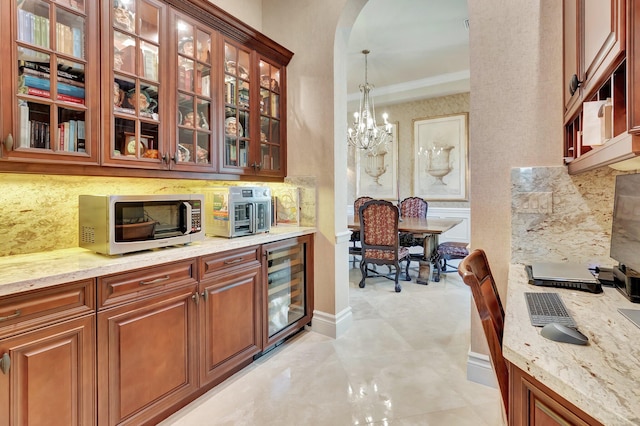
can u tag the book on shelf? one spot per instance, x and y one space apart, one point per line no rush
69 98
25 127
81 145
44 84
45 75
39 134
38 92
44 68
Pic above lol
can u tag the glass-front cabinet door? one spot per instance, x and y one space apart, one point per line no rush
237 147
49 97
271 160
288 290
133 59
194 107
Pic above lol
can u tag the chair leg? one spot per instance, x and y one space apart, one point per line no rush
363 270
406 271
398 288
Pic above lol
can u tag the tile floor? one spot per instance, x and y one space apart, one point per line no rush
402 362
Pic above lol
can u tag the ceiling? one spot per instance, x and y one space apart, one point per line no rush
419 49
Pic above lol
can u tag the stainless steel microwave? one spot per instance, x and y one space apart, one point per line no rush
117 224
235 211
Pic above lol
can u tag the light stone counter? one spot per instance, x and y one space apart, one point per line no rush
37 270
602 378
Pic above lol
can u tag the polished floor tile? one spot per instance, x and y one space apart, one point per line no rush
402 362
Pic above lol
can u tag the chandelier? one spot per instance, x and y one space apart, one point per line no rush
365 133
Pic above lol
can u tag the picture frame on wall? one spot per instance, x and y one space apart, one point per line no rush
377 172
441 146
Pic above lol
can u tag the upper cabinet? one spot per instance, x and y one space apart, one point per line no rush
49 88
158 88
599 65
134 70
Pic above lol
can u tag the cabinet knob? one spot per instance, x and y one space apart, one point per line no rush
574 83
165 158
196 297
8 142
5 363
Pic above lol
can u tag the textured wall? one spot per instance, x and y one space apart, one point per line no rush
403 114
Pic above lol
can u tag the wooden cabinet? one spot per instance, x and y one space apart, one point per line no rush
532 403
47 356
230 313
600 119
146 354
195 88
288 293
134 61
174 76
49 101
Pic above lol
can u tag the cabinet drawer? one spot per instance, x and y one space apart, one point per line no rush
229 259
141 283
33 309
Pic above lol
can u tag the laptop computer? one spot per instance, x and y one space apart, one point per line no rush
563 275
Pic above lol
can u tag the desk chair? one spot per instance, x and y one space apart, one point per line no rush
475 272
355 249
413 207
379 239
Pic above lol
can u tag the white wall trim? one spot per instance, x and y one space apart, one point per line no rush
459 233
332 325
343 237
479 369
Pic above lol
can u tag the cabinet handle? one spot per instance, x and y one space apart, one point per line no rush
8 142
231 262
157 280
196 297
5 363
8 317
205 295
574 83
165 158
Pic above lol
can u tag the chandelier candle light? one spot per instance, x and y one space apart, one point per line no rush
365 133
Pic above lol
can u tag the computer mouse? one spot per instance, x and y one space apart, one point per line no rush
561 333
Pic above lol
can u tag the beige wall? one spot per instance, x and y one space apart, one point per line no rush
516 113
248 11
404 114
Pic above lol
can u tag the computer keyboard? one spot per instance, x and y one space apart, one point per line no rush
545 308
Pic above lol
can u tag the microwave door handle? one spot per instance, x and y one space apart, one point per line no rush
186 217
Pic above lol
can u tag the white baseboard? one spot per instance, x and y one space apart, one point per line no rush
332 325
479 369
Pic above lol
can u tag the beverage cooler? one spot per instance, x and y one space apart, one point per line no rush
288 303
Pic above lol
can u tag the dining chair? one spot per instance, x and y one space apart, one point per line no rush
355 249
413 207
450 250
379 240
476 273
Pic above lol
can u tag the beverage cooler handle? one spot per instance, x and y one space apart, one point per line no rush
186 217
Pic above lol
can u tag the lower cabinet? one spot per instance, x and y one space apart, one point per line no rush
532 403
47 356
146 352
133 347
229 313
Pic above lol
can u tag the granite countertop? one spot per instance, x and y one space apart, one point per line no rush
38 270
602 378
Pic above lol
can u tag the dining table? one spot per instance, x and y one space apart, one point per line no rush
429 229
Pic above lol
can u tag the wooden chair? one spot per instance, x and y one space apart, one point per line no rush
355 249
379 239
450 250
413 207
476 273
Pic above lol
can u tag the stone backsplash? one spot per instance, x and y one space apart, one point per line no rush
556 217
40 212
